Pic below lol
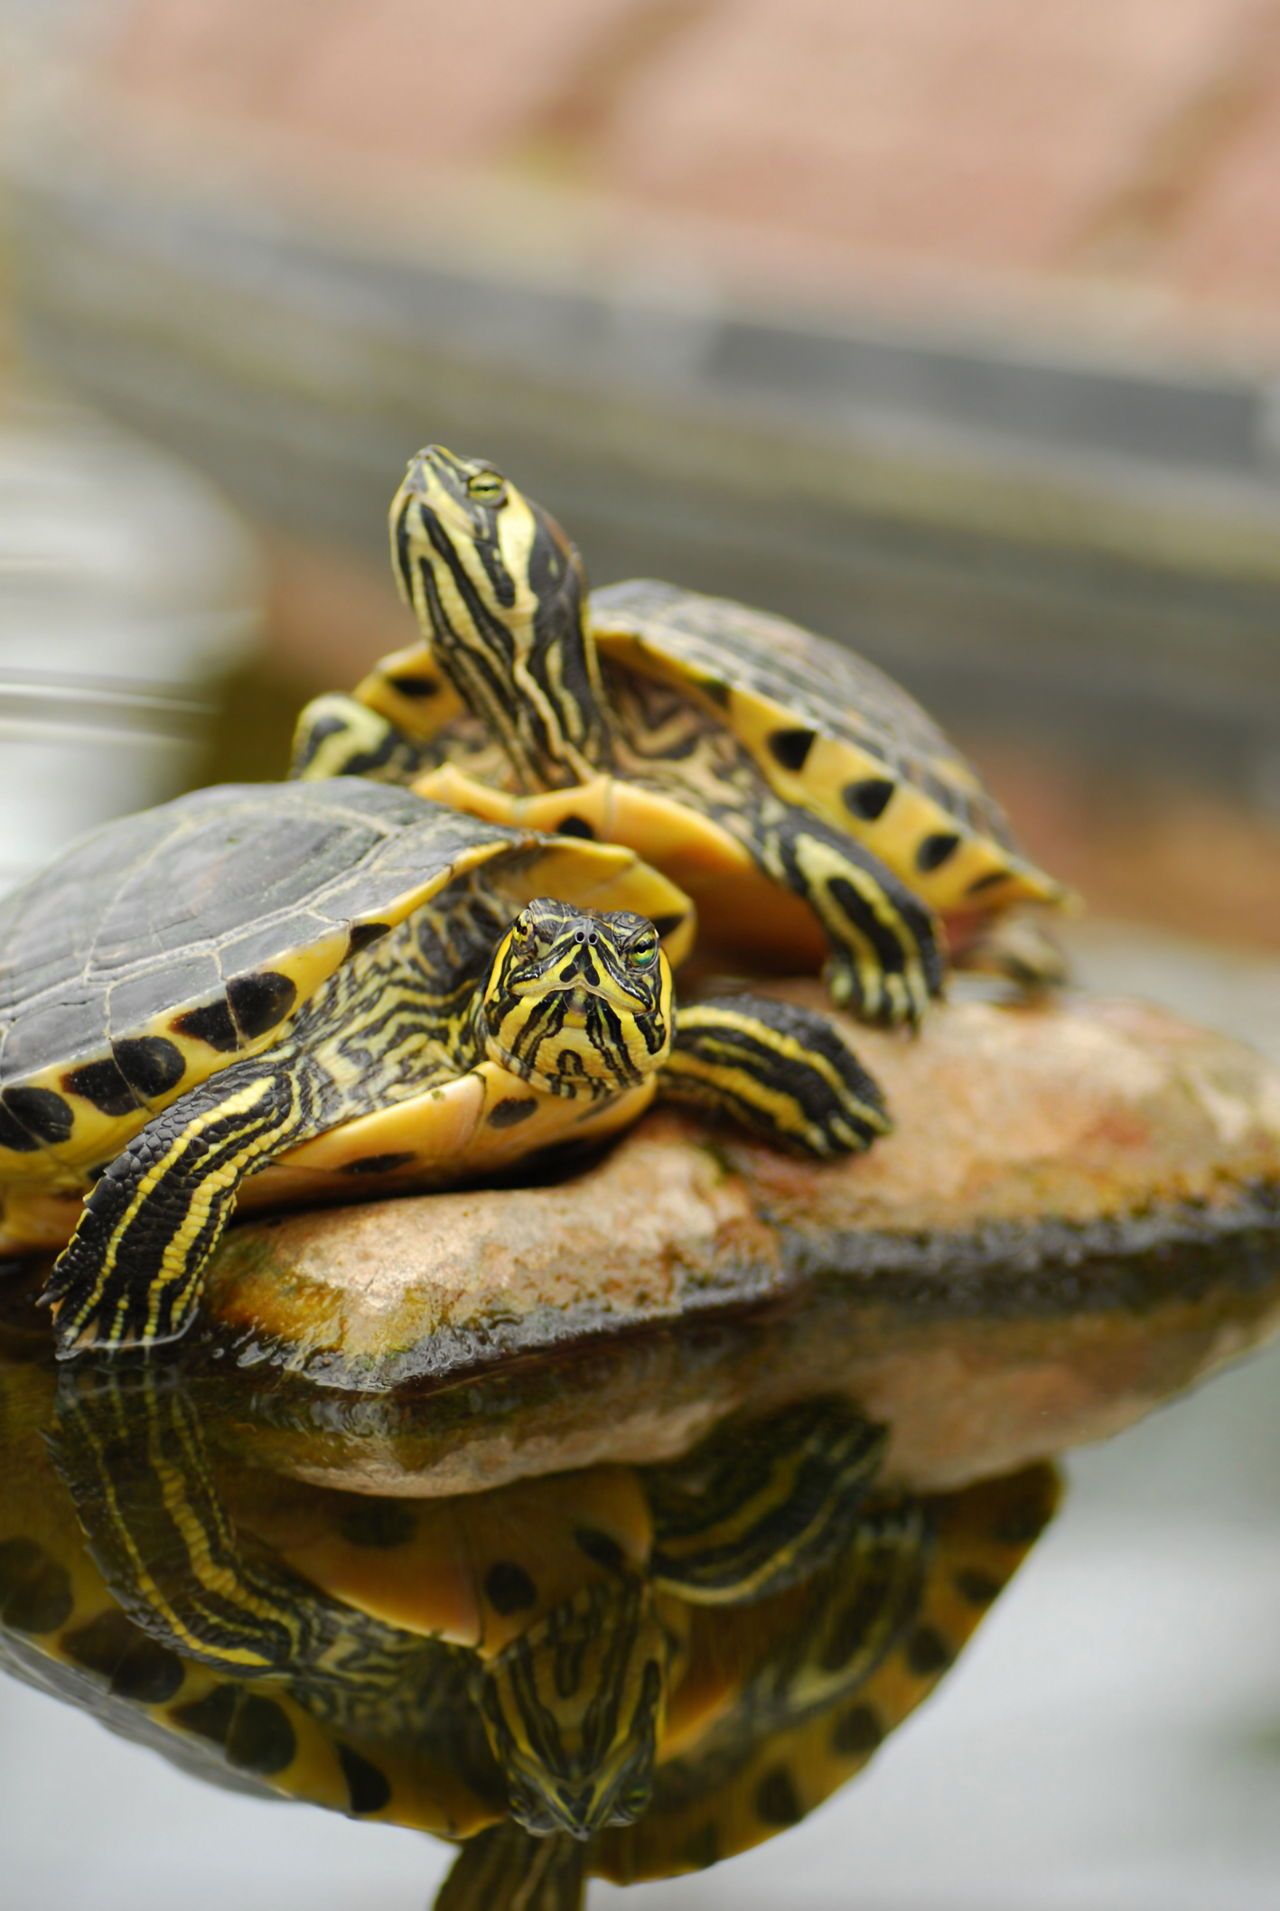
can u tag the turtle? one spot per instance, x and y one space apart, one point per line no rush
306 1641
800 796
380 988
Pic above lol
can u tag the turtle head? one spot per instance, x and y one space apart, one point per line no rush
498 591
577 1001
573 1709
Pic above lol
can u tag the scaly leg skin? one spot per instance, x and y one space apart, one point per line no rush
887 948
131 1274
506 1867
755 1508
784 1071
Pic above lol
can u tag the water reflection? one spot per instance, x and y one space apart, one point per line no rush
623 1672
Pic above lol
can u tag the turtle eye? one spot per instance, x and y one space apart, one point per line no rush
486 487
643 955
520 928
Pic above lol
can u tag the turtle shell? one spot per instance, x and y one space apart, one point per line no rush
831 734
167 945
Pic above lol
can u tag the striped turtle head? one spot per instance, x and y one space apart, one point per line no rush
577 1001
498 591
573 1710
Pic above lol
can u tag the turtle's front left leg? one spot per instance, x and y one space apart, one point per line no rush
132 1271
887 947
785 1071
337 735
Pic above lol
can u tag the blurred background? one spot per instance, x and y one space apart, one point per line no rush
949 327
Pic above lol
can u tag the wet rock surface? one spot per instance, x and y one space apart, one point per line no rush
1078 1216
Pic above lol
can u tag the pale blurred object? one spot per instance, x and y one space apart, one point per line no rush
127 591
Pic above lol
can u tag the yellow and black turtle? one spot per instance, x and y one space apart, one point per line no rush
622 1672
563 1602
309 1642
378 988
802 799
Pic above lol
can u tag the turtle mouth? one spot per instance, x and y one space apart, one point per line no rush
576 997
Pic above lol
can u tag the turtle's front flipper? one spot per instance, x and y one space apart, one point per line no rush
131 1274
886 960
506 1867
785 1071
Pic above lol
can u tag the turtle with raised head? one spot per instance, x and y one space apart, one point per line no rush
803 799
382 990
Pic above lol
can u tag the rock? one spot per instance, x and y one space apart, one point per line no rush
1078 1215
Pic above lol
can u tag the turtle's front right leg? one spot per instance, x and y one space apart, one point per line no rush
132 1271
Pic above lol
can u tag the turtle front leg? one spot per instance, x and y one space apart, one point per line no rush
507 1866
131 1274
337 735
887 947
785 1071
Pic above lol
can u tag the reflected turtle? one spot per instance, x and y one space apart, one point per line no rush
271 1635
802 798
381 988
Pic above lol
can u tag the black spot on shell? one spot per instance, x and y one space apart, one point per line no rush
209 1717
975 1587
379 1164
992 878
378 1524
35 1591
259 1001
667 925
927 1652
600 1547
418 685
716 690
211 1024
857 1732
576 826
776 1800
40 1113
869 797
19 1558
151 1065
13 1135
508 1587
102 1084
363 933
261 1739
367 1788
791 748
137 1668
935 850
516 1108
